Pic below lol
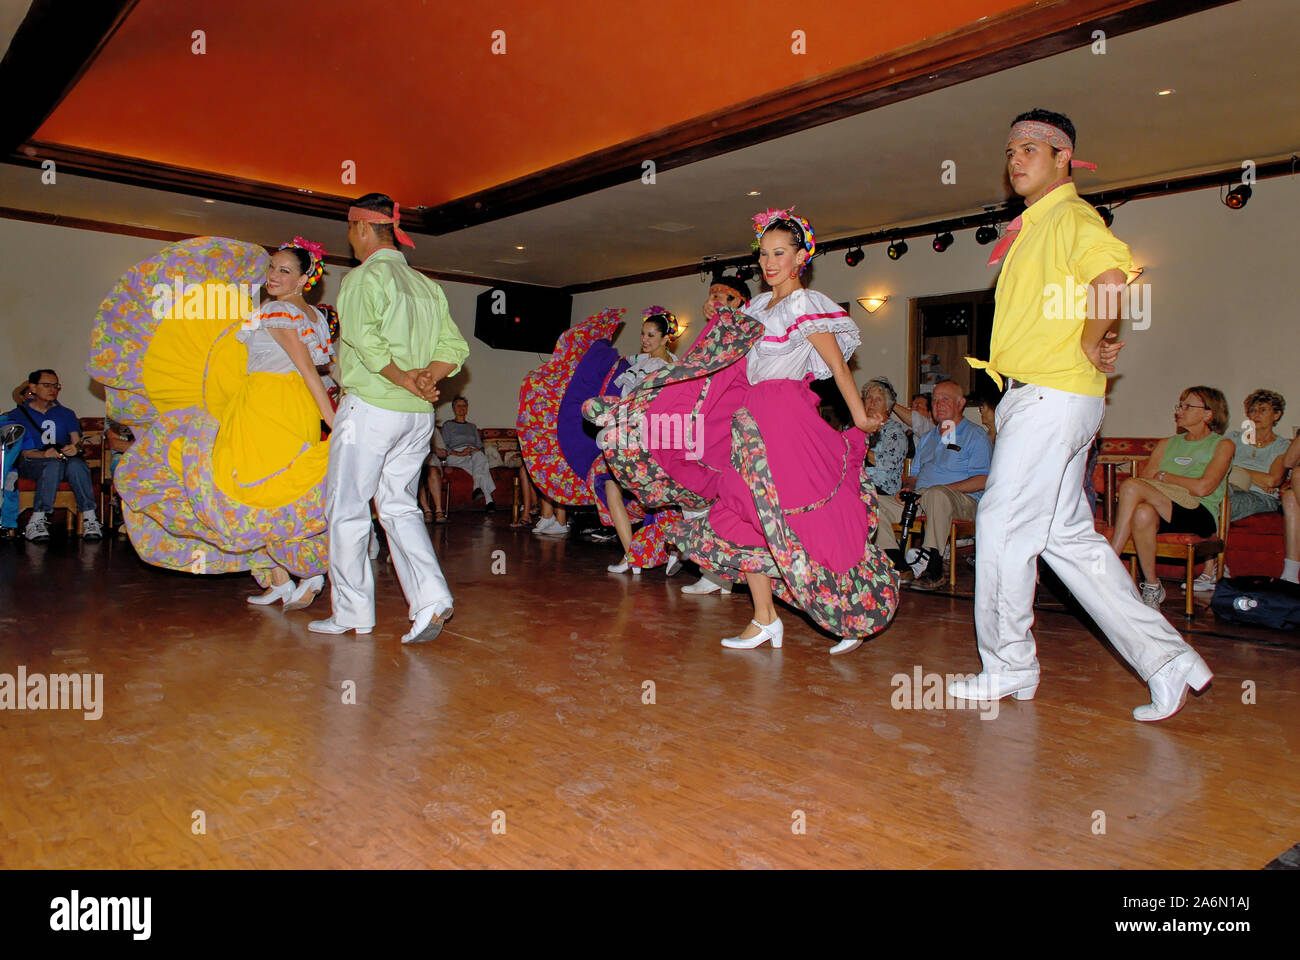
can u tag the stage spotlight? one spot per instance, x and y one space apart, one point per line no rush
1237 196
1107 215
986 234
897 249
745 273
941 242
853 256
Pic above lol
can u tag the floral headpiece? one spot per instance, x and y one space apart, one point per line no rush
332 317
768 218
317 253
668 315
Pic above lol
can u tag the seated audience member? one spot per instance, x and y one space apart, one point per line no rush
431 489
51 455
465 450
117 440
9 467
529 507
949 471
1256 472
916 418
887 447
988 409
1180 488
1291 511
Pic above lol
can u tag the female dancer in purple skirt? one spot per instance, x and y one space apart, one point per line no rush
772 493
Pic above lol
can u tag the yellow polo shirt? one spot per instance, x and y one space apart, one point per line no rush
1040 308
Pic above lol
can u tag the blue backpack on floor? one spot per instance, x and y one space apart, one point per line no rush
1259 601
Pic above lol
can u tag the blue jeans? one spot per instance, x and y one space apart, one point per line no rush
8 480
50 472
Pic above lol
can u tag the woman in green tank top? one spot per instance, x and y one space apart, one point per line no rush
1180 489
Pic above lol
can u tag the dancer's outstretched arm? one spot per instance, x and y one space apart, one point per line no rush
824 344
292 344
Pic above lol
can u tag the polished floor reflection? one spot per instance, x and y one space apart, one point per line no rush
572 718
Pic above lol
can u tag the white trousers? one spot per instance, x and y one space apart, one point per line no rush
1033 504
377 453
476 465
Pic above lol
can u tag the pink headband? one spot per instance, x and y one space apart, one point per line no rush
1053 136
374 216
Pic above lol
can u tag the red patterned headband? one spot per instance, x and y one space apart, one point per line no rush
374 216
1051 135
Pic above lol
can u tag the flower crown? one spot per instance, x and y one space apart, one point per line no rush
764 221
317 253
668 315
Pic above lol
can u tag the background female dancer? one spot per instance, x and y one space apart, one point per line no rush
658 329
229 466
792 511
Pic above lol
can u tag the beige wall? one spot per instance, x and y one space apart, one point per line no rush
1222 307
1222 310
52 280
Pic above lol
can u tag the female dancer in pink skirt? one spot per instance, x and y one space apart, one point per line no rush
771 491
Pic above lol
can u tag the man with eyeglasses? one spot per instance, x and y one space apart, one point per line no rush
51 454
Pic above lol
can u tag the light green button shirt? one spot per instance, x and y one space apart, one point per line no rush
390 313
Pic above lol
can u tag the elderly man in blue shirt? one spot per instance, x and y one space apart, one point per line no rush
50 454
948 471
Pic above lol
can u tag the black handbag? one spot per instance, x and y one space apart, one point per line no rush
1260 601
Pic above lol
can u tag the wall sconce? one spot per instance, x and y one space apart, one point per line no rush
872 304
1134 274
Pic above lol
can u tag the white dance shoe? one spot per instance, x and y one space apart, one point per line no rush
704 586
1169 686
282 592
674 564
995 686
774 631
624 567
305 593
372 547
847 645
329 626
428 625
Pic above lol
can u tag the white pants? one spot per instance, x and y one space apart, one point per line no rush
377 453
476 465
1033 504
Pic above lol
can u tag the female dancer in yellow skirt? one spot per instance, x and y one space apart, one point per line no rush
229 469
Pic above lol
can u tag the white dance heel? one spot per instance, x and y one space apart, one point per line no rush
1169 686
282 592
305 594
773 631
624 567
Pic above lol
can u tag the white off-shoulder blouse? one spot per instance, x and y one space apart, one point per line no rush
784 353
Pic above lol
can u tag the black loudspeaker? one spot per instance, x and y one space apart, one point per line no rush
517 316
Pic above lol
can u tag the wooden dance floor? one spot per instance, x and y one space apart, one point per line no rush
520 737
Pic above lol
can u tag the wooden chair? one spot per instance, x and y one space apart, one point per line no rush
1185 548
960 530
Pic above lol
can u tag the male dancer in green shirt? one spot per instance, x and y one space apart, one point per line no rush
396 341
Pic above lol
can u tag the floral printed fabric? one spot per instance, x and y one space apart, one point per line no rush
857 602
890 450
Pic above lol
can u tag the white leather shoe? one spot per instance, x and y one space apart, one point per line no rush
703 586
674 564
773 631
1169 686
995 686
624 567
329 626
282 592
846 645
545 526
305 593
427 625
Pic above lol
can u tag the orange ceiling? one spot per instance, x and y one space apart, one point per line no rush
412 94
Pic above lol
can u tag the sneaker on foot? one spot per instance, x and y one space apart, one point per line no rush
1153 594
91 530
36 530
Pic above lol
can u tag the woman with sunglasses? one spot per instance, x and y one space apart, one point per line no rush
1180 488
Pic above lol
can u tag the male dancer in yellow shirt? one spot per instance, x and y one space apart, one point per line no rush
1054 354
396 340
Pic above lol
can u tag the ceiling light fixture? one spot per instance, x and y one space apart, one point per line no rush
1237 197
1165 92
872 304
986 234
853 256
745 274
897 249
941 242
754 193
1134 274
1107 215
